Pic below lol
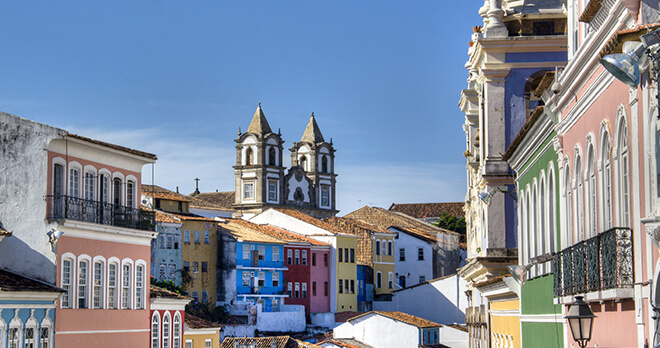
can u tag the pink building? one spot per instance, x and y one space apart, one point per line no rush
103 252
167 318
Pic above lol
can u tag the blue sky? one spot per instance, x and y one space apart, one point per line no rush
177 78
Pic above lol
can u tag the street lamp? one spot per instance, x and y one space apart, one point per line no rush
486 196
581 321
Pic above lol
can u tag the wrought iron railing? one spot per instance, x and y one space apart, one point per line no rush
599 263
74 208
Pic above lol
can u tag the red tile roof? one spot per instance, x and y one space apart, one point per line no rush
426 210
10 281
402 317
214 200
163 193
155 292
198 323
249 231
290 237
266 342
342 317
310 220
385 219
346 343
191 217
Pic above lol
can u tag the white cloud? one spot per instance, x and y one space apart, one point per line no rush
180 161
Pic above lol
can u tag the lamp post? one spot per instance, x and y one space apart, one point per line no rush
581 321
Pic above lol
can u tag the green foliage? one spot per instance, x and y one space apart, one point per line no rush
207 311
166 284
452 223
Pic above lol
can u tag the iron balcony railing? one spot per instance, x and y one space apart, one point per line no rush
600 263
74 208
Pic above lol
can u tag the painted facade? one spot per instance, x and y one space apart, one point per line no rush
342 298
201 333
413 261
166 258
517 44
167 318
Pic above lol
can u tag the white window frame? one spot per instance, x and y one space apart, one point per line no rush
248 191
155 330
67 282
276 253
176 330
89 186
246 252
273 190
98 283
276 279
127 284
113 284
167 330
74 180
140 279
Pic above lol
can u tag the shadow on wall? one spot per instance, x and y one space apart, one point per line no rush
39 264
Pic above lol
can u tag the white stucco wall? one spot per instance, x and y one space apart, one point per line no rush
237 331
323 319
442 301
454 338
379 331
23 186
411 265
291 319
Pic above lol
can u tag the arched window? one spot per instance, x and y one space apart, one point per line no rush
534 213
166 330
522 208
379 279
606 181
248 156
176 331
389 248
113 273
116 192
579 197
551 211
130 194
155 334
303 163
28 341
14 337
98 283
542 231
74 182
139 287
104 188
324 164
591 192
44 337
126 286
83 281
89 186
271 156
377 247
66 282
623 179
528 225
390 280
568 197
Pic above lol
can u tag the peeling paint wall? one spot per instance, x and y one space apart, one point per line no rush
23 186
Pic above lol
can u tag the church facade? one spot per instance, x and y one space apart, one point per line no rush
262 183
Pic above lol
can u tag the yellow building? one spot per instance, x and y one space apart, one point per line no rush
200 333
503 312
346 280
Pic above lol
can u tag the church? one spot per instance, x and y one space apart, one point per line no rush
263 182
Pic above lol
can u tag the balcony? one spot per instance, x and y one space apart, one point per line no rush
476 316
596 266
73 208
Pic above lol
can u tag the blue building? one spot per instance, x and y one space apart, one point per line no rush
166 248
259 264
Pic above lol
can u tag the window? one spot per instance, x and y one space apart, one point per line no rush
402 254
303 163
262 278
205 266
389 248
176 328
196 237
104 187
246 252
262 252
276 279
89 186
297 290
248 156
208 343
248 191
325 196
130 194
139 287
304 290
314 259
170 241
189 344
195 295
313 288
177 241
346 255
14 338
289 289
112 286
155 327
195 267
28 342
172 271
186 266
206 237
606 182
390 280
352 255
289 256
422 279
352 286
340 255
377 247
272 190
623 168
579 206
205 296
276 253
83 276
346 288
325 260
591 189
97 301
186 236
66 284
116 192
162 241
304 257
271 156
44 337
126 287
341 286
384 246
379 280
325 288
166 331
420 254
297 257
74 183
324 164
246 278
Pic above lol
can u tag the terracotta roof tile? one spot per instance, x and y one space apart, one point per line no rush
266 342
342 317
191 217
346 343
426 210
385 219
162 216
214 200
155 292
290 237
116 147
310 220
163 193
249 231
10 281
403 317
198 323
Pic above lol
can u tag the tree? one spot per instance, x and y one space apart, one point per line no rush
452 223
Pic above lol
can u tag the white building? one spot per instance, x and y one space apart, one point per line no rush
399 330
441 300
413 258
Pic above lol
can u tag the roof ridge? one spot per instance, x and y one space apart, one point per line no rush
259 125
312 133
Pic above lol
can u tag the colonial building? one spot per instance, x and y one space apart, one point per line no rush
167 317
309 185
